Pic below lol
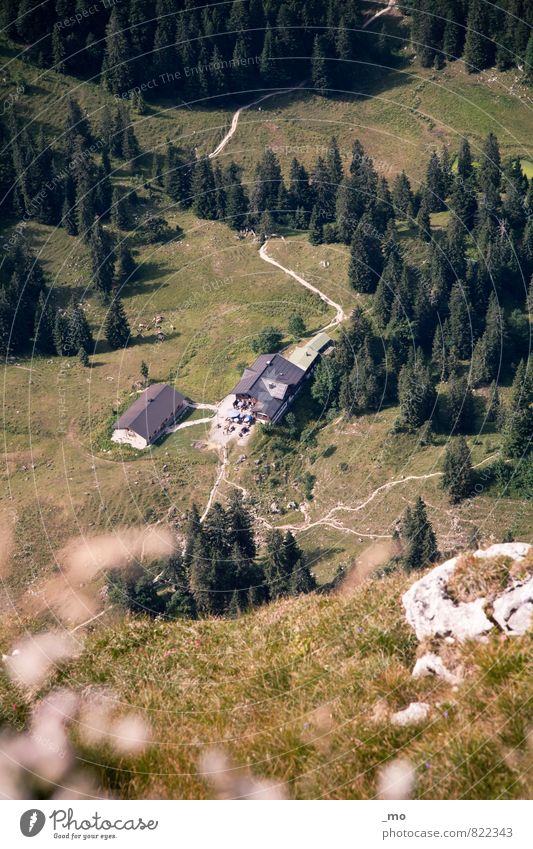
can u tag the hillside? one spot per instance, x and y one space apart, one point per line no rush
421 278
301 695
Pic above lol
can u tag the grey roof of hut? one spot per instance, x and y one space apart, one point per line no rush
270 380
157 405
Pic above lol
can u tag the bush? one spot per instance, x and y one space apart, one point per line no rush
267 340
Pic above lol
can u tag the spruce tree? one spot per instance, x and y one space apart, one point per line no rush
116 73
460 405
334 162
423 219
477 52
145 371
102 259
79 331
316 232
116 327
120 215
436 184
418 537
457 477
324 192
465 168
518 427
402 196
463 203
319 69
489 172
69 220
528 61
266 183
125 267
461 332
239 526
348 209
83 357
43 336
416 391
366 258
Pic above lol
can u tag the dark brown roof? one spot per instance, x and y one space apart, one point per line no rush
157 405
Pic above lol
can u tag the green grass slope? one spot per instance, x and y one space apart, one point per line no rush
301 693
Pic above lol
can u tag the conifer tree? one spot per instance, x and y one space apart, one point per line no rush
116 327
275 566
102 259
455 247
495 412
518 427
418 537
528 61
145 371
334 162
265 189
83 357
116 73
477 52
69 220
316 232
120 215
77 130
383 212
416 391
463 203
348 209
460 325
125 267
436 184
423 219
366 259
402 196
202 577
465 167
324 192
319 69
239 526
489 172
271 61
43 336
457 477
439 354
460 405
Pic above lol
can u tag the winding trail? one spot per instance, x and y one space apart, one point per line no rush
218 481
340 315
235 120
329 521
390 5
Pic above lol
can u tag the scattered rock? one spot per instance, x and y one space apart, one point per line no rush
432 664
274 508
415 712
291 505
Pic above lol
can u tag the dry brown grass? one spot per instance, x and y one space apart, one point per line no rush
475 577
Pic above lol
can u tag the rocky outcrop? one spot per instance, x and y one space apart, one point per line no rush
432 612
